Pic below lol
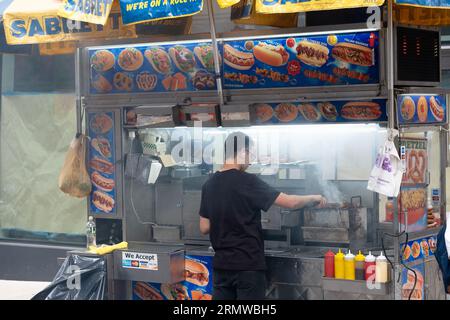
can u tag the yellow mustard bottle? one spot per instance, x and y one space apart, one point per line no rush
339 265
349 266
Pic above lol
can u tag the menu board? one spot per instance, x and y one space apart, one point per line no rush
421 109
284 62
303 61
197 286
319 112
162 68
413 283
415 160
418 249
101 162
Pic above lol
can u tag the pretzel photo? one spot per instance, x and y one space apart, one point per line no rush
416 165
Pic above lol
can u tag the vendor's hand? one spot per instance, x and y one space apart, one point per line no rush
320 200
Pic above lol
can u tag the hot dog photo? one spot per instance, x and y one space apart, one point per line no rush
272 55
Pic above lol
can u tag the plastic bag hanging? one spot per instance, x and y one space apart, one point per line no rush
386 175
74 178
79 278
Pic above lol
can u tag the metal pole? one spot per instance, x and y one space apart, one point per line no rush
215 47
443 140
390 66
391 125
78 90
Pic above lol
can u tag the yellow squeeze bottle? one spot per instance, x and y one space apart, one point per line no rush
339 265
349 266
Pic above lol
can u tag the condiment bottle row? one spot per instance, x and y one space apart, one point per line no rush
359 267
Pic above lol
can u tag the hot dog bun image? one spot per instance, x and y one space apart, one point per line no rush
102 201
175 291
409 285
101 165
312 53
361 111
101 182
237 59
145 292
271 55
436 109
353 53
196 273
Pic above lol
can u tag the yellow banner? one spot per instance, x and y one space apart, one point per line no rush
421 16
290 6
28 22
245 13
92 11
57 48
226 3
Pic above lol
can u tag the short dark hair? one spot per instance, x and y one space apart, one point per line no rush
235 142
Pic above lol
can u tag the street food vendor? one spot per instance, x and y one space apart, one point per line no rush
230 212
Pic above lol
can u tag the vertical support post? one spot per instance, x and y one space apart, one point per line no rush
391 125
215 47
78 90
443 141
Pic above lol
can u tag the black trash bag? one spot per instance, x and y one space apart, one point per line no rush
79 278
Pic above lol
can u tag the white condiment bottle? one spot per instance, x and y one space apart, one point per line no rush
381 269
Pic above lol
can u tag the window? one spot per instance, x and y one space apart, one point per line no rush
37 124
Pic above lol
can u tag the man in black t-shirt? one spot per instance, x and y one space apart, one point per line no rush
230 212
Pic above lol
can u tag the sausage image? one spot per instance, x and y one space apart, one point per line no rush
145 292
361 111
101 182
102 201
436 109
237 59
311 53
271 55
101 165
353 53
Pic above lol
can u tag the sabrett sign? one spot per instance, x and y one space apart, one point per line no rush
42 29
92 11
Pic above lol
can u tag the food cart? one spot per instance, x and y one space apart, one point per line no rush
318 102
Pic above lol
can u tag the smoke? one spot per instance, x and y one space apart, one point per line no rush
328 188
331 192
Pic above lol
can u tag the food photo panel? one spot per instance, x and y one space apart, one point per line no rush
152 68
322 60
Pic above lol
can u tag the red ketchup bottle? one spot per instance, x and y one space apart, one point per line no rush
329 264
369 267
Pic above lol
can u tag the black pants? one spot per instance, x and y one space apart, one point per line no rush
239 285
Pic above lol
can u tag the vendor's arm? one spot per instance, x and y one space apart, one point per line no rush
204 225
297 202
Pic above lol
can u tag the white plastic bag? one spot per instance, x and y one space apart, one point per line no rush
386 175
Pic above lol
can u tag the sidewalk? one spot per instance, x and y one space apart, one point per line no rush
20 290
